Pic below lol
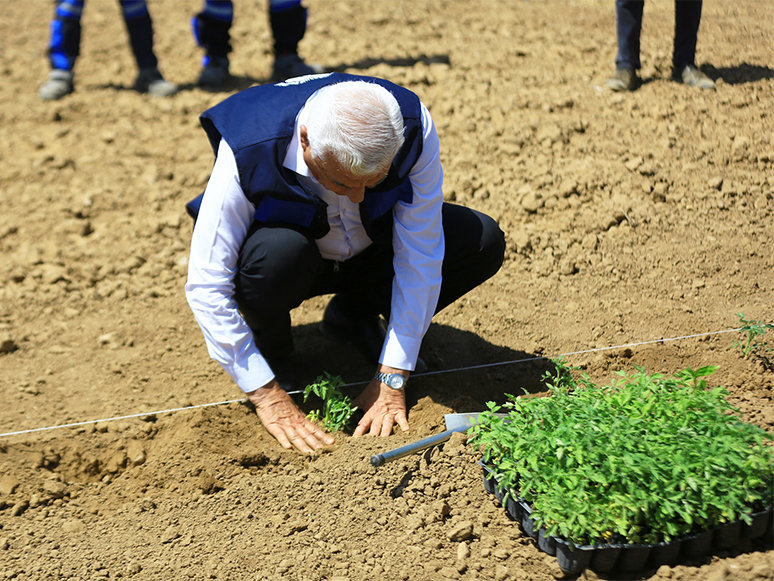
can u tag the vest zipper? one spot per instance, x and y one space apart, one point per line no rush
335 266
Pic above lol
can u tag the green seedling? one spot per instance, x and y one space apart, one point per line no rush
647 459
752 330
337 408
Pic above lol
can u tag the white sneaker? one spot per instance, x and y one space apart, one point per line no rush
58 84
694 77
150 81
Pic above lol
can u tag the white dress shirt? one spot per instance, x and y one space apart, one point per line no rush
226 215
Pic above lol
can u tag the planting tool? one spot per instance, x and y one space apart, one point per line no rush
454 423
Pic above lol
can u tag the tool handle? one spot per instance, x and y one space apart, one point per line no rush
380 459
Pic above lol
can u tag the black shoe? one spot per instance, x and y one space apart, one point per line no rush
624 79
366 333
215 73
291 65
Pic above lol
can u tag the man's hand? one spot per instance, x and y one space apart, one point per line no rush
383 406
282 418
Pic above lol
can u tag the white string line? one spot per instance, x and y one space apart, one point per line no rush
190 407
578 352
426 374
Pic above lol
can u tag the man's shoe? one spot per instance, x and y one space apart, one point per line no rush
150 81
624 79
215 73
366 334
291 65
694 77
58 84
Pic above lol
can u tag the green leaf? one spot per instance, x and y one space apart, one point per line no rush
337 408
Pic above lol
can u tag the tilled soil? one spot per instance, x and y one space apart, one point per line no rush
638 226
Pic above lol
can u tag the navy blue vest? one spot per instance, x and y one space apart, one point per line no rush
258 126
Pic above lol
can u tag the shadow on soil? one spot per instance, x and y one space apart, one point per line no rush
242 82
367 63
743 73
464 370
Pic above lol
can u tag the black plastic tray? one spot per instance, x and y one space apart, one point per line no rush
621 557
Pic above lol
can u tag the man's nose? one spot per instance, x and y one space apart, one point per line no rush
356 194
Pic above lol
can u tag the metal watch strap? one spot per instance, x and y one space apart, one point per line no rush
385 379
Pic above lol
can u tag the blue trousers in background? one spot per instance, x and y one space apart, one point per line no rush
212 26
628 14
65 42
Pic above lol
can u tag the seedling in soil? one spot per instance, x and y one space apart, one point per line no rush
753 330
337 408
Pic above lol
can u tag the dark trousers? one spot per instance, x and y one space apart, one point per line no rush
280 267
213 24
65 42
628 15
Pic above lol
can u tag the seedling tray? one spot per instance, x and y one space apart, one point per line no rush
573 559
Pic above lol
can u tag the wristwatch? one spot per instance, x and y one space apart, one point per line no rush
393 380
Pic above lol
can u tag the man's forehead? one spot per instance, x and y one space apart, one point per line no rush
336 173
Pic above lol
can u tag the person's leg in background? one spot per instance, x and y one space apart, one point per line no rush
140 28
628 22
684 69
211 29
63 49
288 26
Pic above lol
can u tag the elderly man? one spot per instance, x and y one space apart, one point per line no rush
328 184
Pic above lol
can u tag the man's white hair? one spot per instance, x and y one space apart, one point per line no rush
358 124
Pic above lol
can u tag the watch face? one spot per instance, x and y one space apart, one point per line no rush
396 381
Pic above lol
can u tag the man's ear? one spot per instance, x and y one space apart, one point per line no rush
304 137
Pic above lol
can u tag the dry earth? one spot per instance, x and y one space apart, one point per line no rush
629 219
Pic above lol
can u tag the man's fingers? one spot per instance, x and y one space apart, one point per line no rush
387 424
322 435
280 436
301 439
381 425
378 418
286 422
362 426
376 426
299 443
307 437
315 437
